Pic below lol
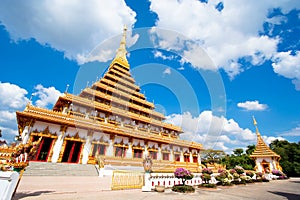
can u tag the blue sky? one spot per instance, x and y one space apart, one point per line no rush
209 66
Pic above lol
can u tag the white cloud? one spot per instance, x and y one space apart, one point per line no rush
226 36
159 54
6 115
47 96
167 71
252 105
213 131
12 96
288 65
13 99
73 27
270 139
8 134
292 132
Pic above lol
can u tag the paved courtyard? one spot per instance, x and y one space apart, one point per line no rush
67 188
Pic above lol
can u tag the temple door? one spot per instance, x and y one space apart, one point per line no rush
72 152
265 166
44 149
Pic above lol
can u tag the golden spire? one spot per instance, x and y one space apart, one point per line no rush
261 149
255 124
121 52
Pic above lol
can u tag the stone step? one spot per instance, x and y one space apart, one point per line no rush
60 169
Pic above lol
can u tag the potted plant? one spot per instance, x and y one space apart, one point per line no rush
184 175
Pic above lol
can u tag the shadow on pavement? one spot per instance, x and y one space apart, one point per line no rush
20 195
289 196
295 181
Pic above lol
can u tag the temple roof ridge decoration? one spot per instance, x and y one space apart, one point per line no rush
262 149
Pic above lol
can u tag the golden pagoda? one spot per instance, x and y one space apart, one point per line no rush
111 120
266 160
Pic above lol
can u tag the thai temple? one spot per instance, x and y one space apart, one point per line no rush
110 120
265 159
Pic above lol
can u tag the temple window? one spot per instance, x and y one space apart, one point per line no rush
137 153
120 152
153 155
195 159
166 156
186 157
99 149
177 157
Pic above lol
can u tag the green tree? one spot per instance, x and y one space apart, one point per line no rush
290 156
250 149
238 152
212 156
239 158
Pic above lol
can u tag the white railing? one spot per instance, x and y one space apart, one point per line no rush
169 180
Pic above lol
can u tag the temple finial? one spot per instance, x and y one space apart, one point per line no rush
255 124
121 52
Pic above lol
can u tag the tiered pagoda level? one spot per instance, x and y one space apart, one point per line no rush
110 119
265 159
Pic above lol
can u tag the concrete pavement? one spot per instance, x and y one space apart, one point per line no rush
67 188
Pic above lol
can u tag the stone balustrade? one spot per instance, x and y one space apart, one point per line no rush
168 180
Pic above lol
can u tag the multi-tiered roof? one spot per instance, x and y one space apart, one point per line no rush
114 104
262 150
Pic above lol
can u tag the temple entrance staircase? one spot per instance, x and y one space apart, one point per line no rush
59 169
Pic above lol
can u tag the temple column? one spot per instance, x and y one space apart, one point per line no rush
159 153
110 148
146 152
129 151
191 157
199 159
58 144
171 158
25 135
181 157
87 148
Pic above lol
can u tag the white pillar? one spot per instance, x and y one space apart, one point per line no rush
181 157
86 150
159 154
191 157
145 151
57 147
147 186
171 158
25 135
110 149
129 151
199 158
